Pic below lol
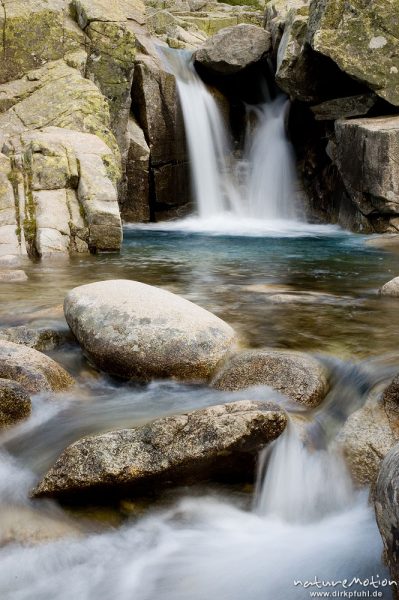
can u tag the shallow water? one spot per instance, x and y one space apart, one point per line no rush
207 542
259 283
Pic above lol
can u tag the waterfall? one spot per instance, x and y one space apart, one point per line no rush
261 185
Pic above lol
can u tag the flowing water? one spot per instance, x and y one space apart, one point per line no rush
304 519
282 283
262 185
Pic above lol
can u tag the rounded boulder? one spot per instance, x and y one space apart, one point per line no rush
134 330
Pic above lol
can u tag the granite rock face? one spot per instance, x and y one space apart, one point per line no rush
63 194
364 151
220 441
139 331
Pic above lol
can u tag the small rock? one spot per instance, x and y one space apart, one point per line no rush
299 376
391 288
135 330
13 276
39 339
234 48
220 441
15 403
34 370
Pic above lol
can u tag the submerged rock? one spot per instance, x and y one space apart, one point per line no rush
391 288
11 276
220 441
15 403
139 331
24 525
299 376
386 504
234 48
34 370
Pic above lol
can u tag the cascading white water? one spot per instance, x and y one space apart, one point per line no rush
299 485
208 142
271 182
267 189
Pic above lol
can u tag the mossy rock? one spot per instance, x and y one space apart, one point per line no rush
362 39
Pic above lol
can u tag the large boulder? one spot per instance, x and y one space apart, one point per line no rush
364 152
299 376
135 330
234 48
15 403
220 441
386 504
32 369
362 39
370 433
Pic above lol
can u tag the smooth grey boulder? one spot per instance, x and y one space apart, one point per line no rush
299 376
15 403
34 370
134 330
220 441
233 49
391 288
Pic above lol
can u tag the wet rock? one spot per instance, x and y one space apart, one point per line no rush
299 376
15 403
370 433
11 276
391 288
343 108
40 339
365 439
137 204
135 330
220 441
35 371
364 152
234 48
361 39
386 504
